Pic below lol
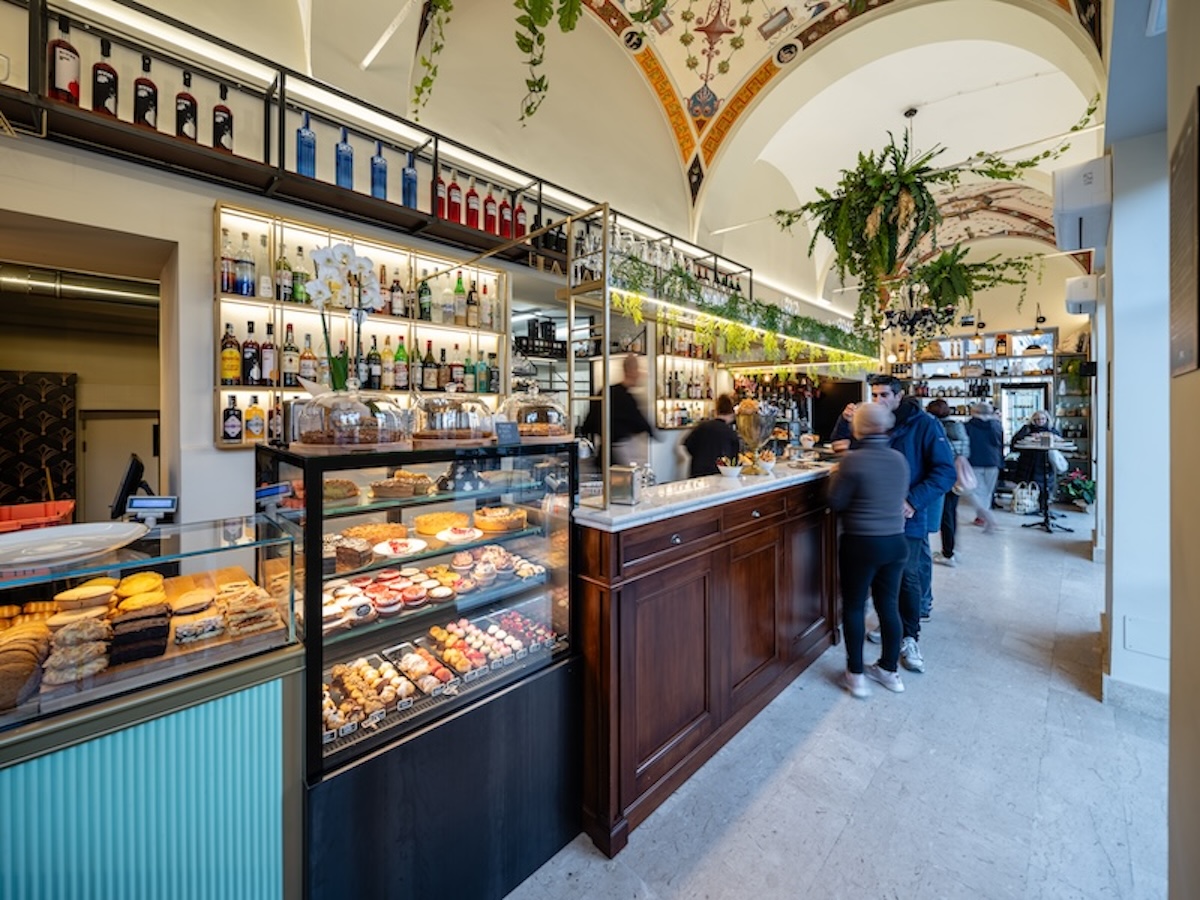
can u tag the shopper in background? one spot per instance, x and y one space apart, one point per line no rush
986 455
957 436
712 439
922 441
1033 465
841 438
869 490
625 417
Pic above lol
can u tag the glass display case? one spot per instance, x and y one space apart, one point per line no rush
430 579
536 414
92 611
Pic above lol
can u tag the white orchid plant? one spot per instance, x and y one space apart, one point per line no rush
347 280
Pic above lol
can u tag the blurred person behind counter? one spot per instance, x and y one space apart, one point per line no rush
712 439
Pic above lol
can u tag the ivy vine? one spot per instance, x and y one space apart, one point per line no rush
438 19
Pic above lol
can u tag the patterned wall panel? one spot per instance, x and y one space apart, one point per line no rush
37 433
186 806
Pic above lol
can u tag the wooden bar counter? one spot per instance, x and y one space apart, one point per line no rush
699 606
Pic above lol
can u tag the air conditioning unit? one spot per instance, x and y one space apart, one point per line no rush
1082 294
1083 206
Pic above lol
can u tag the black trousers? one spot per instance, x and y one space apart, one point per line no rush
873 565
949 523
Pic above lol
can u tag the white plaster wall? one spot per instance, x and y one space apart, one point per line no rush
1183 74
1138 483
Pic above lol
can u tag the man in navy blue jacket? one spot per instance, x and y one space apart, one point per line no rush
922 440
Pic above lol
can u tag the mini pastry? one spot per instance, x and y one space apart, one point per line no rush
389 605
193 601
84 596
441 594
387 574
462 561
410 572
415 596
429 584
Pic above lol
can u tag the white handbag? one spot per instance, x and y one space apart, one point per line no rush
1025 498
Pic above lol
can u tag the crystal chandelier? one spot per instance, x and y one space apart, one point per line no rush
911 313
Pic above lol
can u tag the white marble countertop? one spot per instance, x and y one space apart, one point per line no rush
665 501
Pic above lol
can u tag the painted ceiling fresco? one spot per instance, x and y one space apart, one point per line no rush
707 60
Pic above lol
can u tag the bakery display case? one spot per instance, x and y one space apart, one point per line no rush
95 611
430 580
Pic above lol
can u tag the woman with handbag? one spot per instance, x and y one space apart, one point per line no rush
1032 465
986 439
957 436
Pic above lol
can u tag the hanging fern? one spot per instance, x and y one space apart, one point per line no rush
439 18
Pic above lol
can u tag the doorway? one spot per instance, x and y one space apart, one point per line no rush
107 437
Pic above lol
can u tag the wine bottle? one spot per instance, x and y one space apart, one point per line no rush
231 422
231 357
396 296
472 308
343 158
429 370
306 149
228 265
379 173
244 269
309 364
283 277
64 66
251 357
473 204
457 369
490 212
275 424
468 373
222 123
416 370
291 359
401 366
145 98
299 281
460 302
270 372
446 311
374 365
186 110
424 298
387 365
454 199
266 290
104 82
408 184
505 215
443 371
256 421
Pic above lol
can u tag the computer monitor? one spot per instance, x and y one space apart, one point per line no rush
130 484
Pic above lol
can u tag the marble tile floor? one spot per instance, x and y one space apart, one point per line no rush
997 774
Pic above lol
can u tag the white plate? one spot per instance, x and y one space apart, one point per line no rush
466 537
66 543
400 547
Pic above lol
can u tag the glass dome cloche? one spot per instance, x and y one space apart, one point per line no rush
353 419
536 414
447 417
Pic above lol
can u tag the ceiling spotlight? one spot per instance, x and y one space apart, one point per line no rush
891 359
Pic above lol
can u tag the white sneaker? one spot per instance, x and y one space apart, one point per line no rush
942 560
910 655
856 685
890 680
875 637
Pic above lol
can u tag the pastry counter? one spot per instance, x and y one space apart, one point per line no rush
698 606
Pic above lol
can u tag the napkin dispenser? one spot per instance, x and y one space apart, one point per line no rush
625 485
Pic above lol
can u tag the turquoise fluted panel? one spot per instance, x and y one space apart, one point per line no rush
185 806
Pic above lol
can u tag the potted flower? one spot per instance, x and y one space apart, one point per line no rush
1078 488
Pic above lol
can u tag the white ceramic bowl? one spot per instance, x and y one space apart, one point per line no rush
730 471
766 466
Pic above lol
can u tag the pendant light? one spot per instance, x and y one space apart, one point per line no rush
1039 322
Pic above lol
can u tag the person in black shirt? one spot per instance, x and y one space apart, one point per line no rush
711 439
625 418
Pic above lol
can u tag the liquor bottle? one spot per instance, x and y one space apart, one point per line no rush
490 213
410 298
343 162
63 82
251 357
145 98
505 216
443 371
379 173
231 357
387 366
186 110
460 301
291 359
540 240
299 279
306 149
447 309
275 424
473 204
429 369
408 184
309 364
482 375
228 265
457 368
494 372
361 370
472 308
416 370
374 380
439 194
396 296
244 283
104 82
519 219
468 374
283 277
256 421
270 368
454 199
222 124
262 265
425 297
231 422
401 365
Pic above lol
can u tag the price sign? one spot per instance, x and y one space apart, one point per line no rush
437 691
509 660
375 717
507 434
453 682
404 704
348 729
521 654
328 737
497 664
473 675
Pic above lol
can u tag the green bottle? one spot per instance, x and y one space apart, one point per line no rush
401 367
299 291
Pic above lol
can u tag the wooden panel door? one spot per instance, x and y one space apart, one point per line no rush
666 678
808 606
755 653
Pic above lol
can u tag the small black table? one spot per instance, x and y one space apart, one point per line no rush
1044 449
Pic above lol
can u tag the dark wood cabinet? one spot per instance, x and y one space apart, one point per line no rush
691 625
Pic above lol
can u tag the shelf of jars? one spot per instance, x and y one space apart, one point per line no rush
440 326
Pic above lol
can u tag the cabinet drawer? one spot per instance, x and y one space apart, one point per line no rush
754 511
807 497
659 542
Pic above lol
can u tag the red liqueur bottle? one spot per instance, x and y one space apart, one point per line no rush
64 66
104 82
145 98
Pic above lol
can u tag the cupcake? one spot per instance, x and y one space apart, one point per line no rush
484 573
462 561
504 567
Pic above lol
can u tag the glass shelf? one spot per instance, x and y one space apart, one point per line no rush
397 562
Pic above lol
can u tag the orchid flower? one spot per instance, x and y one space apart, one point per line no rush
360 266
323 257
319 293
343 256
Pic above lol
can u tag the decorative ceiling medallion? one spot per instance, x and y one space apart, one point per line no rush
634 39
786 54
695 177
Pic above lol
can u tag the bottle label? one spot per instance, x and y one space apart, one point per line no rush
233 424
468 380
145 105
472 316
104 92
283 284
255 426
268 366
291 365
66 71
231 366
401 377
399 303
308 369
223 129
